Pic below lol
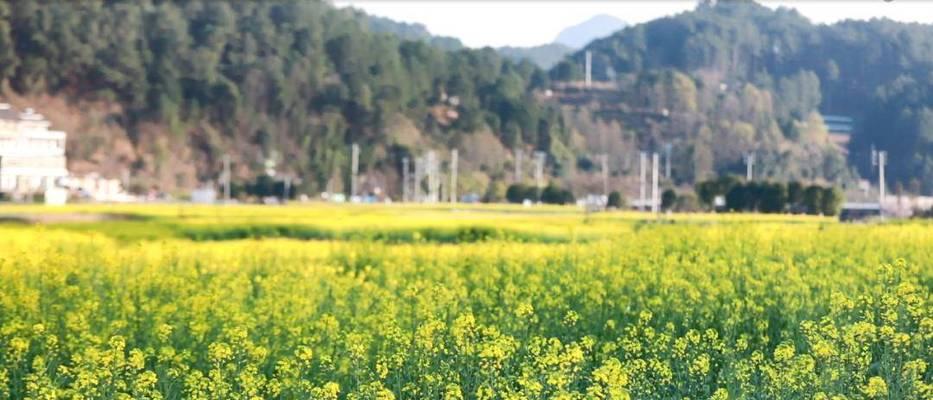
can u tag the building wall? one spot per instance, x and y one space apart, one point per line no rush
32 157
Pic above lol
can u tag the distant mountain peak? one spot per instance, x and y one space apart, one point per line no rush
596 27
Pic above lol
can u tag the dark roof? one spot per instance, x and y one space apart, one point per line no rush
861 206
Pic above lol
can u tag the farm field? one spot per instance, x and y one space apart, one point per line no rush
501 302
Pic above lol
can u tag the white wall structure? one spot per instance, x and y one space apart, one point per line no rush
32 157
902 206
97 188
204 195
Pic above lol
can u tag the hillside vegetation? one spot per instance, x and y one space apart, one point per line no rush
878 72
295 83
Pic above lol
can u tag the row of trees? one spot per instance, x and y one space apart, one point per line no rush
551 194
770 197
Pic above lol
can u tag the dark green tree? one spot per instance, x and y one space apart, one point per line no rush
813 199
615 200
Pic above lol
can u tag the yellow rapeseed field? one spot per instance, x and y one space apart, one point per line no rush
403 302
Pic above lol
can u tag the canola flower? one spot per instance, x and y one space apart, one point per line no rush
812 310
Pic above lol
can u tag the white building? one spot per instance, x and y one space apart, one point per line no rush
206 194
905 206
32 157
94 187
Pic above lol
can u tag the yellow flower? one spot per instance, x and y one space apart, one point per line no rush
524 310
876 388
720 394
220 352
136 359
784 352
304 354
163 332
700 366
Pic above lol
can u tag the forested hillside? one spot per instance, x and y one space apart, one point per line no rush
879 72
544 56
291 82
178 85
406 31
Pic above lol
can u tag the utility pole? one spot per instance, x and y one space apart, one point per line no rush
655 196
643 163
518 166
667 161
539 171
604 171
749 166
354 169
454 158
287 185
419 174
442 191
226 178
589 69
882 159
405 179
432 176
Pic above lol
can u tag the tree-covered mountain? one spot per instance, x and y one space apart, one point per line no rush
879 72
182 84
406 31
294 83
567 41
581 34
544 56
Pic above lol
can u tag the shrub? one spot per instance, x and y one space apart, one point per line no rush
813 199
668 197
831 201
518 193
615 200
555 195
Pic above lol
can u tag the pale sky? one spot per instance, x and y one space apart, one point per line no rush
479 23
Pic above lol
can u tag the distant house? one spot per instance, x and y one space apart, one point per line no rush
32 157
93 187
206 194
859 212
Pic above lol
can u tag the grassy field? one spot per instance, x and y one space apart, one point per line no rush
395 223
502 302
